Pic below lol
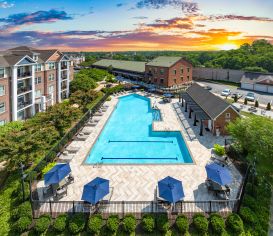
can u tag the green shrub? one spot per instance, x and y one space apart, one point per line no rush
217 223
251 190
235 223
268 106
60 223
48 167
250 202
22 224
182 224
94 224
247 215
245 102
42 224
256 103
219 150
22 210
235 98
200 223
148 223
163 224
113 223
129 223
76 223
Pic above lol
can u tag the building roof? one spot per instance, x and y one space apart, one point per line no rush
164 61
210 103
257 78
135 66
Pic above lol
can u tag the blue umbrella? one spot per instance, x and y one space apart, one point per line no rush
56 174
95 190
167 95
171 189
151 89
218 174
135 87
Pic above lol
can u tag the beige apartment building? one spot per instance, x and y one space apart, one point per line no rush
31 80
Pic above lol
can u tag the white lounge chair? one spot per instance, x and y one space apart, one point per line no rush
72 149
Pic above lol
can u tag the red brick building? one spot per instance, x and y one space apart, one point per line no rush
169 71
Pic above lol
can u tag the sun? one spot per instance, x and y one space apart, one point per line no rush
227 46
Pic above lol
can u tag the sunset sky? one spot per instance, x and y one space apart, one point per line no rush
117 25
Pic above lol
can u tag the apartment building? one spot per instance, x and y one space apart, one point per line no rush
169 71
76 58
31 80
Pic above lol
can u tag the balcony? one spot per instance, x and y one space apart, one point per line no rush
22 104
24 74
64 67
64 87
64 76
24 89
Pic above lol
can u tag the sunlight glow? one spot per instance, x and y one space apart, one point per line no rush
227 46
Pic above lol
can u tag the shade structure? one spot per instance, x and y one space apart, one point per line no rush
135 87
171 189
95 190
218 174
151 89
56 174
167 95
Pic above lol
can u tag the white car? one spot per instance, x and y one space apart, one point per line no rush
250 97
226 92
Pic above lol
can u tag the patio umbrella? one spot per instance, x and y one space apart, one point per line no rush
218 174
151 89
167 95
135 87
56 174
171 189
95 190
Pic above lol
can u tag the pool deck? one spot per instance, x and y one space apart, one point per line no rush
138 182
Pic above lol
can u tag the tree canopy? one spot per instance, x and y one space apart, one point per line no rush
253 136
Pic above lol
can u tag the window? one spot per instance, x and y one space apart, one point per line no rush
51 89
155 70
51 77
155 80
2 90
227 115
174 80
2 72
182 78
161 81
182 70
38 67
37 93
38 80
188 69
2 107
162 71
51 65
188 77
2 122
35 58
174 72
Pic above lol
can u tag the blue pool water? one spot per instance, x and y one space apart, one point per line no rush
127 137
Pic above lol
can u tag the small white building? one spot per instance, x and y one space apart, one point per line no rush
257 82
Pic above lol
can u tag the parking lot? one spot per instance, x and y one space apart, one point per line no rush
217 88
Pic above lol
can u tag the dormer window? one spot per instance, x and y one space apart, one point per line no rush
35 57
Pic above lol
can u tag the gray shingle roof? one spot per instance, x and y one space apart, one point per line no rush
134 66
164 61
210 103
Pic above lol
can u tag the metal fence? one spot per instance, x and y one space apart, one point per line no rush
137 208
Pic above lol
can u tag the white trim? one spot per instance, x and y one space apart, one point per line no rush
34 62
52 55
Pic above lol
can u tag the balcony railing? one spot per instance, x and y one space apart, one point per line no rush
64 76
22 104
24 74
24 89
63 87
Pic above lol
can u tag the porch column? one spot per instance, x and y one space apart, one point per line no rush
190 113
33 90
14 92
186 107
68 79
179 97
59 82
182 102
201 128
195 120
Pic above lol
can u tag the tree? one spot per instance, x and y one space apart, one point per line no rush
83 98
253 136
82 82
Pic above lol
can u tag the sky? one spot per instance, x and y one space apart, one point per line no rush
136 25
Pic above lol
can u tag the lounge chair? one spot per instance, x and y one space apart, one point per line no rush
91 124
98 114
224 160
71 149
81 137
60 192
66 158
86 131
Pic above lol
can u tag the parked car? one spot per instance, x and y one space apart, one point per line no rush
250 97
207 87
239 95
226 92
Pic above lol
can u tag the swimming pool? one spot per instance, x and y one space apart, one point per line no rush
127 137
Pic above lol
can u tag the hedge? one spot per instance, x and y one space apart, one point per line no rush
217 223
60 223
42 224
182 224
113 223
235 223
94 224
76 223
22 224
129 223
200 223
148 223
22 210
162 222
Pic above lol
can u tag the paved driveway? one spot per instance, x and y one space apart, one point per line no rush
264 98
